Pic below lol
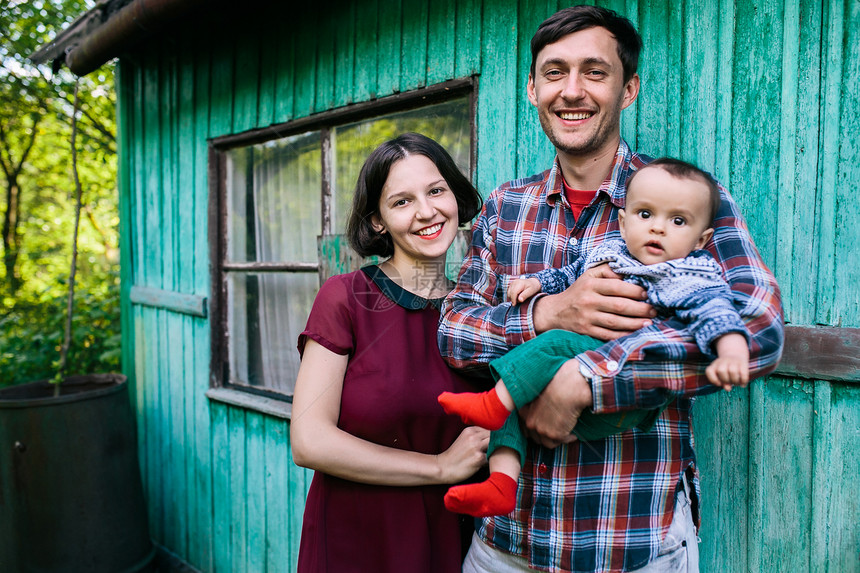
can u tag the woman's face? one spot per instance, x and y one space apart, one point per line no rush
418 209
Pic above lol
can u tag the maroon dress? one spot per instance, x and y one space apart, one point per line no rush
389 396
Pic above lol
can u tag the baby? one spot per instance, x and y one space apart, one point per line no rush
666 221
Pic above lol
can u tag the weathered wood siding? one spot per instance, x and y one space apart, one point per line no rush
764 94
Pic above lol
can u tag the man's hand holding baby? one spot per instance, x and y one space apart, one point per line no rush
598 304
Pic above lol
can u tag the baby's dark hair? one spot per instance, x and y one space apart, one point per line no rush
576 18
683 170
363 238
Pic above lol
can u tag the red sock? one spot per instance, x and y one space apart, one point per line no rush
482 409
496 496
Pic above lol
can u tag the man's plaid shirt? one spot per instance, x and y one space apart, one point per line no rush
603 505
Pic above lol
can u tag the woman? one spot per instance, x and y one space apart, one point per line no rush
365 414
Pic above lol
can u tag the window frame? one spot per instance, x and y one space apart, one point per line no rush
262 399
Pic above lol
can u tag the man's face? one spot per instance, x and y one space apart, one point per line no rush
579 91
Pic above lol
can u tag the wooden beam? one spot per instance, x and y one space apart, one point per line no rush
821 353
352 112
170 300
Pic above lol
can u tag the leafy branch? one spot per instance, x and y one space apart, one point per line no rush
67 340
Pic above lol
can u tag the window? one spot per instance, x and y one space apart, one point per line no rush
276 201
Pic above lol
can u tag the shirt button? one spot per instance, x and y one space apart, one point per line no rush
573 241
542 469
612 366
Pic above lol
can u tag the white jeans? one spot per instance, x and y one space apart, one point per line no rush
679 552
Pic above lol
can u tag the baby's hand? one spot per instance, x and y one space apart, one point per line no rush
732 366
522 289
729 372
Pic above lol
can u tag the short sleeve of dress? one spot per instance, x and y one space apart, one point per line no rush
330 321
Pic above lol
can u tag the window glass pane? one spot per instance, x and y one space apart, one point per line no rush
266 314
447 123
273 215
273 198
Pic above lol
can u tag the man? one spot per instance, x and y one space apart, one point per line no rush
628 502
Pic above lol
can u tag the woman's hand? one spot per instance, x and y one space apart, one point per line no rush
466 455
318 443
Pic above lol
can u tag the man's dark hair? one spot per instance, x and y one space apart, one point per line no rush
683 170
577 18
363 238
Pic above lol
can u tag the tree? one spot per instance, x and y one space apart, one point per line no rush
37 203
34 106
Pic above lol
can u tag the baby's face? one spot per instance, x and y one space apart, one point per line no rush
665 217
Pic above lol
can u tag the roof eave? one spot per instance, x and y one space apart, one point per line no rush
109 29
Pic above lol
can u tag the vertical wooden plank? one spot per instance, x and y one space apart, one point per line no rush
786 199
279 553
238 490
257 503
143 414
829 150
366 40
497 155
163 444
757 87
798 161
124 81
285 84
185 271
846 272
246 87
630 10
137 256
170 341
154 424
835 505
630 117
153 273
780 504
221 93
175 470
138 177
413 45
325 67
722 429
269 45
298 482
388 45
699 83
222 484
467 61
306 64
725 71
344 50
672 90
200 478
152 263
440 40
535 153
655 78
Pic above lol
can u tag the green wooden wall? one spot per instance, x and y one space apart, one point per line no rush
764 94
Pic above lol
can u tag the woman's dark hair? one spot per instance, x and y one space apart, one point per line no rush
363 238
683 170
577 18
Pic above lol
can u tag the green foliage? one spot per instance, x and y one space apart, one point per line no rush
35 114
31 333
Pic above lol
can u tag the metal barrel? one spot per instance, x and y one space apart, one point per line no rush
71 497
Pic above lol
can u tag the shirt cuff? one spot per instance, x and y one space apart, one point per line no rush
520 324
601 373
